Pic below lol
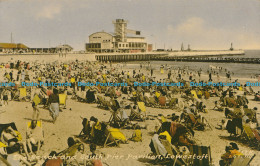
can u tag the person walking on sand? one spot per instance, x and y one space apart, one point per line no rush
54 105
36 111
5 96
210 76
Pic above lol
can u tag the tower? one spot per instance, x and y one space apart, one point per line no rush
231 47
182 48
120 30
188 48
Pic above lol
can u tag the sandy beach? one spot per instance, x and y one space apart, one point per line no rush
69 121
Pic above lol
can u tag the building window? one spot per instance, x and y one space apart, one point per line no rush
119 45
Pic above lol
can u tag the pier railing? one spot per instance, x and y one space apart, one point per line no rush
164 56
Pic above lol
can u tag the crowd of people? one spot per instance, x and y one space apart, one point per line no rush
128 105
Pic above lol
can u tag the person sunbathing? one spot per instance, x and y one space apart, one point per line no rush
231 153
96 131
34 137
9 136
85 132
7 155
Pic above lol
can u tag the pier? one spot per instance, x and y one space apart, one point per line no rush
210 59
193 56
125 57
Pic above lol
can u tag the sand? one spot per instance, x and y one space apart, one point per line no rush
69 124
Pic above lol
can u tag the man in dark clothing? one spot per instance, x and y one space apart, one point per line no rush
54 104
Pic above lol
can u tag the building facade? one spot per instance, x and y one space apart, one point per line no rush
10 48
13 48
123 40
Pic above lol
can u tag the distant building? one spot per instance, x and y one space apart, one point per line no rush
61 48
123 40
13 48
9 48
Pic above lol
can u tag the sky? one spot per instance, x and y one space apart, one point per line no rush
203 24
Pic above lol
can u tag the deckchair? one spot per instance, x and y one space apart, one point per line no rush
140 98
103 103
194 123
62 99
242 161
134 115
114 136
115 105
81 95
194 94
36 100
115 119
251 90
43 96
99 101
206 94
201 151
152 101
251 112
163 147
240 88
13 126
22 92
4 161
157 94
39 124
250 135
146 101
141 106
